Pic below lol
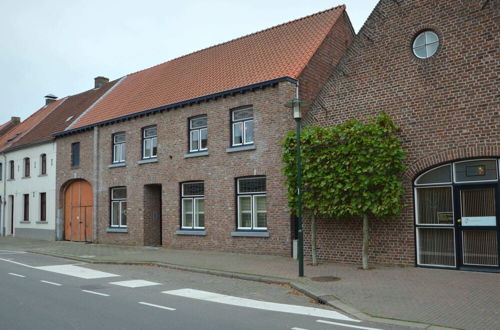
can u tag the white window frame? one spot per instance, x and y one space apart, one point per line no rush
151 140
474 160
253 207
119 148
119 202
195 213
417 230
43 164
243 123
197 133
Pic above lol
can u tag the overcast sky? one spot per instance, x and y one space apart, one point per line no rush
58 47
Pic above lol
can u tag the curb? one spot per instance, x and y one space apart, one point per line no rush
335 302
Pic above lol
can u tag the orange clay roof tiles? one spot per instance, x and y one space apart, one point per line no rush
281 51
28 124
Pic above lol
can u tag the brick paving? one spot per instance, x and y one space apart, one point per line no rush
466 300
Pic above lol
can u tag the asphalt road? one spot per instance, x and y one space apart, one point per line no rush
40 292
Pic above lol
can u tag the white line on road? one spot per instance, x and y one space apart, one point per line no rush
14 274
257 304
346 325
76 271
52 283
17 263
11 252
298 329
134 283
157 306
97 293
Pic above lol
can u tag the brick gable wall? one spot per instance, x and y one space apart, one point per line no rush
446 106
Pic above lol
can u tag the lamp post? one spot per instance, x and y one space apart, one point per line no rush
297 115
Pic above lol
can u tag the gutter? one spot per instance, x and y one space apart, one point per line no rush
171 106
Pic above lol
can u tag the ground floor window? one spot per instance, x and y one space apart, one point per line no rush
26 208
119 207
456 215
43 206
193 205
252 205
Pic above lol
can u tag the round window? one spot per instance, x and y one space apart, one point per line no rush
425 44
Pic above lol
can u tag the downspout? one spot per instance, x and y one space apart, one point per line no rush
96 186
4 198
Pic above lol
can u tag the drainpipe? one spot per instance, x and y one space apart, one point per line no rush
96 187
4 198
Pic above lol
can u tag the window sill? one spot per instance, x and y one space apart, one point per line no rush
42 175
25 177
41 222
117 165
196 154
11 179
24 222
117 230
147 161
250 234
241 148
191 232
75 167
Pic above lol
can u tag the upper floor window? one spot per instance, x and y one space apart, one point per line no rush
198 135
118 148
75 154
1 171
251 199
43 164
119 207
11 170
26 167
425 44
149 142
193 205
242 127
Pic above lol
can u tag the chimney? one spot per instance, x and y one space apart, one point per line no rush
100 81
49 98
15 120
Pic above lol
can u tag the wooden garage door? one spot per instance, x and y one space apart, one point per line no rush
78 211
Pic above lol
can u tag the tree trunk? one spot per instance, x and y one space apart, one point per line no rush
366 237
313 240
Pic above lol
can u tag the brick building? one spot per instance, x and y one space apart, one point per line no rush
433 66
187 154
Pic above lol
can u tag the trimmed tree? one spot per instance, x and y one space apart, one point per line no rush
350 170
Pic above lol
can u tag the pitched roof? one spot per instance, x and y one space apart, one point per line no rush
60 118
281 51
5 127
25 126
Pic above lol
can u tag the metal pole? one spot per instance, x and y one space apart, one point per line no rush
300 248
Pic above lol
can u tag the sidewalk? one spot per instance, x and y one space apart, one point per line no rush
466 300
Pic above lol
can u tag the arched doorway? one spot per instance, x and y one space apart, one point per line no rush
78 207
457 215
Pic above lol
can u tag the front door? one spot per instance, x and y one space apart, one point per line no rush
477 226
78 208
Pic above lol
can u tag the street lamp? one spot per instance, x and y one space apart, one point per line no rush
295 104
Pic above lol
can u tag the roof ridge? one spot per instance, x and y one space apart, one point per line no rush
242 37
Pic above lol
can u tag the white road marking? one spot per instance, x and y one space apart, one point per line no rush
17 263
97 293
11 252
157 306
135 283
14 274
250 303
52 283
298 329
347 325
76 271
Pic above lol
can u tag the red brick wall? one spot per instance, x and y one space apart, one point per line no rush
218 170
319 68
446 106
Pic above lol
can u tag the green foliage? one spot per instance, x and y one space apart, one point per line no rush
351 169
